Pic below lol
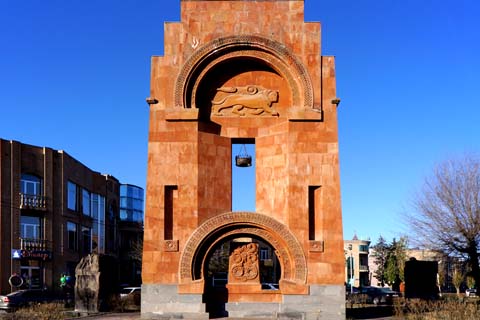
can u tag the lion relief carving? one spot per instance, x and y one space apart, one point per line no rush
256 99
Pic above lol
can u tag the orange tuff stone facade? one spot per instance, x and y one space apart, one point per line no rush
243 71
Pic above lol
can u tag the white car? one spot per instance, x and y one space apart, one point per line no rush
471 292
129 291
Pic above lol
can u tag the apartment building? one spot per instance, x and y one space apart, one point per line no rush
54 210
356 262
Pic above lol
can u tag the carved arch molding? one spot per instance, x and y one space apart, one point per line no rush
270 52
290 253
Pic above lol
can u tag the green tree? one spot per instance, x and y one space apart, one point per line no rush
391 270
380 255
446 211
470 282
400 252
395 266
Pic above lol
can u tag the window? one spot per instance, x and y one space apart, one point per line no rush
363 248
72 196
86 240
30 227
86 202
31 185
98 215
72 235
350 269
264 254
131 203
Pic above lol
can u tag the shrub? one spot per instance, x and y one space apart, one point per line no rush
446 309
42 311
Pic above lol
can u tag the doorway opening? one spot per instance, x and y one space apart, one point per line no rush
243 176
32 276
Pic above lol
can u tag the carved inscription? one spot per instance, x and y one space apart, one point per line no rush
254 99
243 264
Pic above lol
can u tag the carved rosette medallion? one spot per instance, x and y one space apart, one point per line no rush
170 245
249 100
243 264
316 246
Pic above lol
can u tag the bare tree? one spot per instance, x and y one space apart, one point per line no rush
457 279
446 212
136 250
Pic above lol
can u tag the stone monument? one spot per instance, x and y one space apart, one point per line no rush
95 282
243 71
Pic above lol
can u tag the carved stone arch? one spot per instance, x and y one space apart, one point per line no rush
282 253
270 52
293 259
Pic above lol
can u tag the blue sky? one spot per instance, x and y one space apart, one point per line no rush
74 76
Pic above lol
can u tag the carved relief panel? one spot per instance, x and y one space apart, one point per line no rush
244 101
243 264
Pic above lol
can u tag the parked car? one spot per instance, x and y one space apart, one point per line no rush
129 292
351 290
471 292
23 298
379 295
269 286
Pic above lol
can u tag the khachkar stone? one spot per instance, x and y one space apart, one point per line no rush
243 72
95 283
243 265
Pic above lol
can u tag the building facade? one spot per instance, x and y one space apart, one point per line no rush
131 240
54 210
356 262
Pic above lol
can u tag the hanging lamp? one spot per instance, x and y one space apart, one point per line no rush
243 159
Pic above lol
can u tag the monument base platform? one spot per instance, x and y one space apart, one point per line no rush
324 302
160 301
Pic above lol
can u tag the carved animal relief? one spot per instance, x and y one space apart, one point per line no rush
244 263
249 100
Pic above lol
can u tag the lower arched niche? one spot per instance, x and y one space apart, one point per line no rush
206 236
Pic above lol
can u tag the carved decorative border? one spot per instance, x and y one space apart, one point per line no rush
280 250
267 59
221 46
243 219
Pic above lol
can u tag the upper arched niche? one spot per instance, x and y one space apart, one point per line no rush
224 59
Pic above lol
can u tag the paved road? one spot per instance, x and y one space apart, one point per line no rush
136 316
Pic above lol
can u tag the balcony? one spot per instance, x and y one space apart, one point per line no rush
30 244
362 268
31 201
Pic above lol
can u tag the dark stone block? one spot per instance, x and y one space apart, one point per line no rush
96 282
